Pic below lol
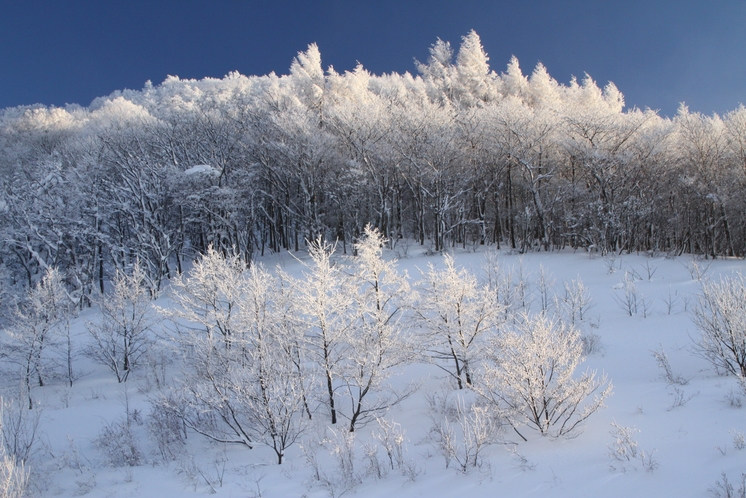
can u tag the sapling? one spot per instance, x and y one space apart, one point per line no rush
629 301
649 270
545 285
121 338
576 301
671 301
456 314
377 345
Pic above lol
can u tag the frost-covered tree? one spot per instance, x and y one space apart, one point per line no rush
377 343
209 296
455 314
720 315
454 155
326 313
529 377
476 81
309 81
40 331
121 337
702 149
245 389
439 72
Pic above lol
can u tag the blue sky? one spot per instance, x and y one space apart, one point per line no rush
658 53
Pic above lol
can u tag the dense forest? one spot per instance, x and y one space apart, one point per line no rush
455 155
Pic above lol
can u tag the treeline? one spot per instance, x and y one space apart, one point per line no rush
457 155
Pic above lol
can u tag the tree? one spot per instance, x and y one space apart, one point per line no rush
120 338
439 72
455 315
240 386
702 147
720 315
377 346
40 323
326 314
528 377
209 296
476 82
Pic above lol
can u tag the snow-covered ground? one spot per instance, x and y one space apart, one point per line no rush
688 433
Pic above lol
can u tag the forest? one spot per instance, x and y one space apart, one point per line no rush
456 155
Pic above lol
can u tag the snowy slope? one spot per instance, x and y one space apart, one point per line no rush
686 446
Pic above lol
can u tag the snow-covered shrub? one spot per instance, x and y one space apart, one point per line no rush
14 476
720 315
739 439
390 437
339 476
680 398
625 451
591 343
166 427
118 444
117 441
462 429
528 377
624 447
724 489
661 358
696 269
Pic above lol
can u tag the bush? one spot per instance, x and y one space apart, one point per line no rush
720 315
13 474
529 378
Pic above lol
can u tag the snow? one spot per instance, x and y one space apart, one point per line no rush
201 168
692 444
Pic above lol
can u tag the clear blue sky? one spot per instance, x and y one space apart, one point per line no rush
658 53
